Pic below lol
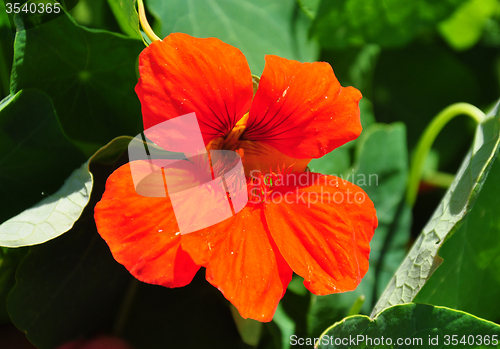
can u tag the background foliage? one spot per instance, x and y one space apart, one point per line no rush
69 108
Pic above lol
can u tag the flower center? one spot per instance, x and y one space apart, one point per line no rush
256 156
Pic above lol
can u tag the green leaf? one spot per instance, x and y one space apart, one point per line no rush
93 14
51 9
71 286
35 155
6 51
55 214
162 318
415 326
361 69
491 35
286 327
452 212
88 74
346 23
465 27
381 170
111 151
9 260
52 216
310 7
67 288
250 330
471 258
4 19
333 163
126 15
355 67
256 27
366 114
40 148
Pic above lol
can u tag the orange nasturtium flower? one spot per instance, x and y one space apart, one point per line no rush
320 227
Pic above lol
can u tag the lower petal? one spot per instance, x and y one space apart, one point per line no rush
322 226
142 232
243 262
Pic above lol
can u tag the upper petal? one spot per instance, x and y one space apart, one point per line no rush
183 74
142 232
301 109
322 226
243 262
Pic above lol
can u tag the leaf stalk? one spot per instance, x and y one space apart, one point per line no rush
144 22
425 143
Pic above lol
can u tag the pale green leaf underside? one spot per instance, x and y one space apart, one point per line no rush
52 216
422 259
56 214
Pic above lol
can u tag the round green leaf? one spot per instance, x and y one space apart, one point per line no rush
89 75
42 145
256 27
67 288
52 216
35 155
71 286
412 326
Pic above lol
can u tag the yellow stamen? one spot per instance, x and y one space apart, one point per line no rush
233 138
256 155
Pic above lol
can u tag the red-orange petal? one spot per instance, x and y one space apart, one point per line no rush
243 262
301 109
141 231
322 227
183 74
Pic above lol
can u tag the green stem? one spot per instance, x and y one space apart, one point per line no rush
425 143
356 307
121 319
439 179
144 22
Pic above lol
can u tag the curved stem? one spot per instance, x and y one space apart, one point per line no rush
356 307
126 305
439 179
144 22
425 143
